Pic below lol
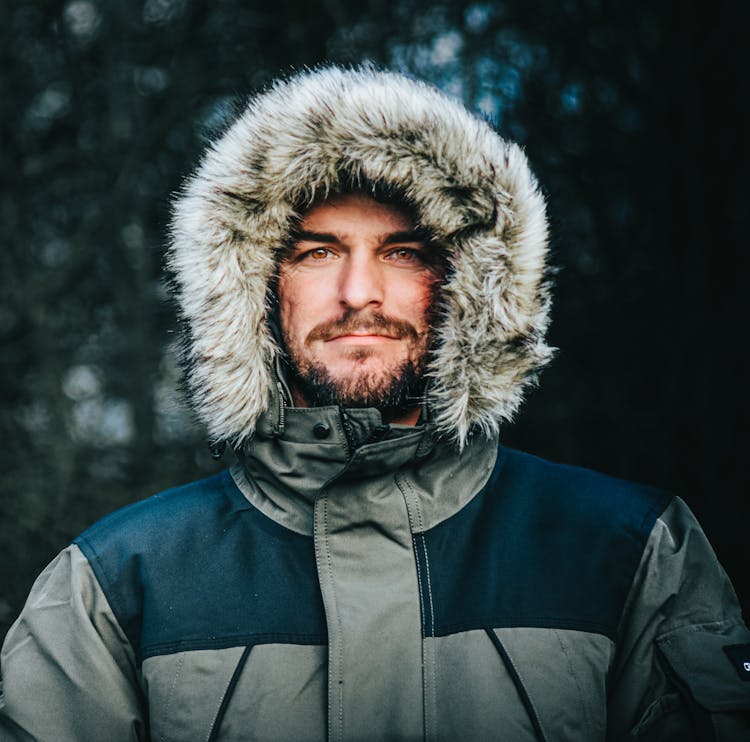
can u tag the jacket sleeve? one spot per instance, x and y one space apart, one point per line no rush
679 671
68 671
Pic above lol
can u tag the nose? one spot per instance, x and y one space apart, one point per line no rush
361 282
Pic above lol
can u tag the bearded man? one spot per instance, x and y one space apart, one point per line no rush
360 264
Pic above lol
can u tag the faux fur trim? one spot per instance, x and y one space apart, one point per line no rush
472 190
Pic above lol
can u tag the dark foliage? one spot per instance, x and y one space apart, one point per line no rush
634 116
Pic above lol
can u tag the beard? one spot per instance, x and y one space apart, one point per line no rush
392 389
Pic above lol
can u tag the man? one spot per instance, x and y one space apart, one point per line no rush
360 265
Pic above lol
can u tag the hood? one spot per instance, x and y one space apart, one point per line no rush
296 142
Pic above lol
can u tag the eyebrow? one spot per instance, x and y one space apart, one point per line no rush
415 235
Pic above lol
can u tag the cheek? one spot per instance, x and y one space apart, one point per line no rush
289 312
291 315
420 299
301 295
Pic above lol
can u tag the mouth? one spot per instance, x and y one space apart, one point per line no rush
365 338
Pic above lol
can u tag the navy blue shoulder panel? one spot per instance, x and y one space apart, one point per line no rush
542 545
198 567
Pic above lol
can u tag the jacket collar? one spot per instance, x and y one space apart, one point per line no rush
301 454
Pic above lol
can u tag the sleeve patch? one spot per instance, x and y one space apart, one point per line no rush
739 656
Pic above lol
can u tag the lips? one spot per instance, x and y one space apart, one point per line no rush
361 338
365 334
372 329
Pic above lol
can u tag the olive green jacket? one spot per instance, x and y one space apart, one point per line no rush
396 590
354 581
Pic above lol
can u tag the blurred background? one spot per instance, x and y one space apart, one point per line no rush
633 115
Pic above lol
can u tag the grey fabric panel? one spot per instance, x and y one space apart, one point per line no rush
563 673
678 584
447 480
368 579
68 670
279 695
475 697
296 515
185 691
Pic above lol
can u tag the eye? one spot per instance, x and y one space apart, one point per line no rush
317 254
405 255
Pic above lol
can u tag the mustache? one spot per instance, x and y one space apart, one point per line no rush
375 324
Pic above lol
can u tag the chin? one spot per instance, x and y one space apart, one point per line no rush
359 357
365 365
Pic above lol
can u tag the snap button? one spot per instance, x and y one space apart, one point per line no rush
321 430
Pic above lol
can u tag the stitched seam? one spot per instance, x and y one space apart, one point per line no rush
421 613
433 698
576 679
492 621
192 645
180 663
342 434
429 586
411 500
419 581
338 691
108 587
412 507
708 627
403 481
110 596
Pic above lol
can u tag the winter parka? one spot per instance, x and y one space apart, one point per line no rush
353 580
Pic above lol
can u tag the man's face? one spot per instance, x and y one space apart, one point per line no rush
356 294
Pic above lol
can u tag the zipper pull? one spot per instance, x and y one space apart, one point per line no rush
348 433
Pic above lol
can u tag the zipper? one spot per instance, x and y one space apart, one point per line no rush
282 409
348 432
520 689
228 693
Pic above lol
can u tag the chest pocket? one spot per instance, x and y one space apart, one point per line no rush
265 692
186 691
528 684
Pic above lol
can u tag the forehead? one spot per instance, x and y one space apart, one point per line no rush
354 213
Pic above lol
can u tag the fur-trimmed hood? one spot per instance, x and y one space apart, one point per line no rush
471 190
